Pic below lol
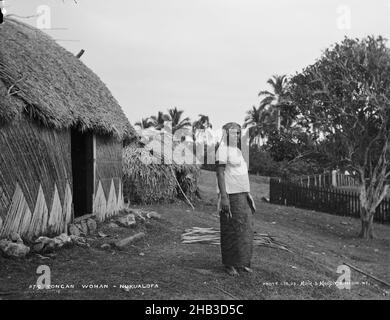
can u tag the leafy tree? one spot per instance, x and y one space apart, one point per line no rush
345 96
281 146
261 162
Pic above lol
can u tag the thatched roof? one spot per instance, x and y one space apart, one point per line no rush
43 80
147 180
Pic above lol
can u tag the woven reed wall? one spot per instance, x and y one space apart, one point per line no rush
35 180
108 177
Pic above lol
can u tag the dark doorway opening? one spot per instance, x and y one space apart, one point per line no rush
82 172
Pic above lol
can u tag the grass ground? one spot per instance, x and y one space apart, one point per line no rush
320 243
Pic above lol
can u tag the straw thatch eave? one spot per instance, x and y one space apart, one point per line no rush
41 79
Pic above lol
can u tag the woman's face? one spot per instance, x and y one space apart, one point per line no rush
233 137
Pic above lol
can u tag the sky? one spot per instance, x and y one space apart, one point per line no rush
203 56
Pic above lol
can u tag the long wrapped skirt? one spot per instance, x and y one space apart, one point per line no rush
236 232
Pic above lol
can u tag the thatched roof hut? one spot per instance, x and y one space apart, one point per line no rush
61 135
152 175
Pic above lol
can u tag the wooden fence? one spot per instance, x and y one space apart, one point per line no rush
343 180
327 180
330 200
318 180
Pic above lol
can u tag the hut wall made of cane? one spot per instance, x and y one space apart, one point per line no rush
35 179
108 177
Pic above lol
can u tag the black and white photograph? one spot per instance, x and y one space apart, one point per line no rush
218 151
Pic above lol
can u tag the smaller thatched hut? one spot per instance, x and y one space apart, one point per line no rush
144 180
148 178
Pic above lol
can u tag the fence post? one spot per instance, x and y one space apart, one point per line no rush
334 178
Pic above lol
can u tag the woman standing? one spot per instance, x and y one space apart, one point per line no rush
234 202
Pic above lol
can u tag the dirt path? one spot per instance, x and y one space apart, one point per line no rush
170 270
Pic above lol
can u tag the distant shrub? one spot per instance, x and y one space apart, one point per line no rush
292 169
261 162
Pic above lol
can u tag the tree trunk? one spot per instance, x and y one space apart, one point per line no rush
369 200
367 231
366 214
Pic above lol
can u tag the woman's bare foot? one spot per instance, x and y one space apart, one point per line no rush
231 271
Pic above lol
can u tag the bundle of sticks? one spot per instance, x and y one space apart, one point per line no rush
212 236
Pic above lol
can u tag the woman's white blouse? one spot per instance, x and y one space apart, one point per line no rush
236 169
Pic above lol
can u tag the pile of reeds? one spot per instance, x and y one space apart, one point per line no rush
147 180
212 236
187 176
201 235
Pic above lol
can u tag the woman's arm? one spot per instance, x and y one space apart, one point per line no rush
225 205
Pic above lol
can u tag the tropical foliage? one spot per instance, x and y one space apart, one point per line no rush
274 113
259 121
345 96
145 123
178 123
173 118
202 123
276 102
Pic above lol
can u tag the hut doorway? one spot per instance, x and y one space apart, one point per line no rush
82 145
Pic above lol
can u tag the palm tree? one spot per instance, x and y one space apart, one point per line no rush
178 123
144 123
200 135
260 123
200 126
159 120
277 99
202 123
